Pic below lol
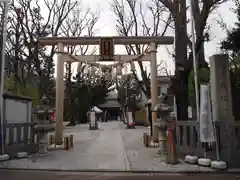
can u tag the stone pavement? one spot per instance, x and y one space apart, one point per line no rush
112 148
40 175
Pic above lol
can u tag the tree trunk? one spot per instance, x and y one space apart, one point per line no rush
182 98
201 57
180 84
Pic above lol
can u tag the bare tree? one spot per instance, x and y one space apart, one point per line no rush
184 62
162 69
136 18
80 22
34 24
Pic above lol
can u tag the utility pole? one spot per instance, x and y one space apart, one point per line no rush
17 49
2 70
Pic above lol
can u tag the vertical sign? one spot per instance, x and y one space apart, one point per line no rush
130 118
106 49
206 124
92 119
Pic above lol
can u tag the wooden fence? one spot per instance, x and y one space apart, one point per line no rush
19 134
20 137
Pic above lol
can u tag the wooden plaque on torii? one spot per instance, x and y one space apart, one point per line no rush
106 49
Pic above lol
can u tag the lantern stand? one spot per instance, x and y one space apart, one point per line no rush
93 124
129 114
126 107
149 104
44 125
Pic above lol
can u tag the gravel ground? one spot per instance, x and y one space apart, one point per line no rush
142 158
111 148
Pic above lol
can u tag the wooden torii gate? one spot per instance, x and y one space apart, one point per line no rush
106 54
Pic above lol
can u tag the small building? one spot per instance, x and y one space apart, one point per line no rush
111 106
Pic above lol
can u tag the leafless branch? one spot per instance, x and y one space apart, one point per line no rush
152 17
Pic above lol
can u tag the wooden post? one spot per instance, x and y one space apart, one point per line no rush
171 151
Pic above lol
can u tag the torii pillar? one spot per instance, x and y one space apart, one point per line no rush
59 96
154 85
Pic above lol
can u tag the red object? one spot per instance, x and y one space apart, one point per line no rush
132 124
53 117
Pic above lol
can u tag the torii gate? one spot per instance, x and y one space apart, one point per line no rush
106 54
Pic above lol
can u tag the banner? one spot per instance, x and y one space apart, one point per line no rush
206 124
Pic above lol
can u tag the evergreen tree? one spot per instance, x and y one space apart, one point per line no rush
231 44
232 41
88 90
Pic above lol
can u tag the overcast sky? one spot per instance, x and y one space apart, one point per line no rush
107 27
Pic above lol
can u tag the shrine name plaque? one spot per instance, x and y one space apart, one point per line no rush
106 49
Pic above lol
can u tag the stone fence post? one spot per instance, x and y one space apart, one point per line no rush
221 88
221 98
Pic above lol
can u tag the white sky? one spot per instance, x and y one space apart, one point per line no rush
107 27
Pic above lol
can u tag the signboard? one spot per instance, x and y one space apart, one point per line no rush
106 49
206 123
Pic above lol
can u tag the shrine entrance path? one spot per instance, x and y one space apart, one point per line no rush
111 148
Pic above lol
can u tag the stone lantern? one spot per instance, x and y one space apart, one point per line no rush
163 110
42 116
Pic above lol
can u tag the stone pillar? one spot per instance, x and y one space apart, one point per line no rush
59 96
220 88
154 94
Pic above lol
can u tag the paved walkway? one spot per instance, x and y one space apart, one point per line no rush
30 175
112 148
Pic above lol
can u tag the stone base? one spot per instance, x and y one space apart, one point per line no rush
146 139
153 145
22 154
221 165
131 127
172 161
55 147
93 128
204 162
43 148
191 159
162 154
4 157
